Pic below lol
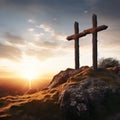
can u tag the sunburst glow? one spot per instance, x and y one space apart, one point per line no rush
30 75
30 68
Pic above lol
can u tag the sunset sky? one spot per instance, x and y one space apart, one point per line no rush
33 35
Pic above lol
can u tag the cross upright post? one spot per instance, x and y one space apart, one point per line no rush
76 28
94 42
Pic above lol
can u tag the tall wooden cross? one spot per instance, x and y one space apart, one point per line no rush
78 35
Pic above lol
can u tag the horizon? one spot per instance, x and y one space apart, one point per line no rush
33 35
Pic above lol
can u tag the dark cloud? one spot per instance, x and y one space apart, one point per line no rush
56 7
14 2
108 8
13 38
39 2
9 52
105 7
66 8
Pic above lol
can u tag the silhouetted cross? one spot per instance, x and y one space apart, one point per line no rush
92 31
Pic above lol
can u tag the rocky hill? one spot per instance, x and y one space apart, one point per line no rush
82 94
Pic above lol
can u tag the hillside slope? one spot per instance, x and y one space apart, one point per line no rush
82 94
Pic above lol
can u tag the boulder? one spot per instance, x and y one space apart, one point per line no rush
97 97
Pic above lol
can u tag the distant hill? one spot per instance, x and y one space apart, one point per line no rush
82 94
19 87
10 87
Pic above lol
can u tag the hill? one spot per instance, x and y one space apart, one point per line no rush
82 94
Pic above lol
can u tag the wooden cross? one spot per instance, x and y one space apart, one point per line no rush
92 31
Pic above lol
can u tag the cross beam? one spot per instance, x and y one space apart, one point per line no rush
87 31
78 35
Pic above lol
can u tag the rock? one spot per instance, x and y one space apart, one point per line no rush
84 100
93 98
63 76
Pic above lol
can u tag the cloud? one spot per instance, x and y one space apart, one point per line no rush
37 36
61 37
31 29
47 44
42 54
110 39
31 21
46 29
10 52
44 50
52 32
14 39
45 54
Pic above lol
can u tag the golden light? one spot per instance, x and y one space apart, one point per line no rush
30 75
30 69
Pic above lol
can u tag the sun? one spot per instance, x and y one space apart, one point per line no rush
30 68
30 75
